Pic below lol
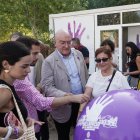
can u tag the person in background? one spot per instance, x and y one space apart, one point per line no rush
15 36
43 54
134 64
75 43
44 49
15 60
35 77
42 115
64 73
98 82
107 43
31 97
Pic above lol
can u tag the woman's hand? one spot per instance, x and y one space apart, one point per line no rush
80 98
31 122
125 73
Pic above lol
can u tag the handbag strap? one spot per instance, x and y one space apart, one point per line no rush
111 80
17 107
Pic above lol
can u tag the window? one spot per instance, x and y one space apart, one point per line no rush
131 17
108 19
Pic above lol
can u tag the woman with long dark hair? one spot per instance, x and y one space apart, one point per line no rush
15 60
133 64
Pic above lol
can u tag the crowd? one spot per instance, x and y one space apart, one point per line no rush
57 85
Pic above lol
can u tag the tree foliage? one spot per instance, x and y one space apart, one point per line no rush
92 4
31 17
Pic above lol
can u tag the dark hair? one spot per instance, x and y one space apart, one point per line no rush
109 43
135 50
76 40
28 41
44 49
12 51
103 50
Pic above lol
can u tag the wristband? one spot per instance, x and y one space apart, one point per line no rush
9 132
16 132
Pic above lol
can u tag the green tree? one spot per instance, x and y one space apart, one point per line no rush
92 4
31 16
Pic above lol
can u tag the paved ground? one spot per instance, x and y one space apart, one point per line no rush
52 130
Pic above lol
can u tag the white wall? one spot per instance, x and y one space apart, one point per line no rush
132 33
88 20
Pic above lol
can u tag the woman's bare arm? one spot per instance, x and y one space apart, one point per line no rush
88 92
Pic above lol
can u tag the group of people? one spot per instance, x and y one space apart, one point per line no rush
132 65
16 60
60 83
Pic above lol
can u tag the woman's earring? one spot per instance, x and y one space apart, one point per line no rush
6 71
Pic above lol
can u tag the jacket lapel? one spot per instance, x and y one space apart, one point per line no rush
60 63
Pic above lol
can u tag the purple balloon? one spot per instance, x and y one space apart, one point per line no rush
112 116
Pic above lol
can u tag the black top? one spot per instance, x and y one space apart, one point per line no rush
85 53
19 102
133 67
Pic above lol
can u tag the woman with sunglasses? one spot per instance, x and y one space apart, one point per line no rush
98 82
108 44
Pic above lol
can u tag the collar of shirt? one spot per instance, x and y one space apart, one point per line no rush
66 57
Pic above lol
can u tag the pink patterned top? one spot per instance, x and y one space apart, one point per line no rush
32 99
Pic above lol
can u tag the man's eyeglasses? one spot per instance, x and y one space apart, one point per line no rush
98 60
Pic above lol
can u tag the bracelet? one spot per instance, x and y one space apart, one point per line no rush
16 132
9 132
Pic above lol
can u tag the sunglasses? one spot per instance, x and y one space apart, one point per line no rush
98 60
